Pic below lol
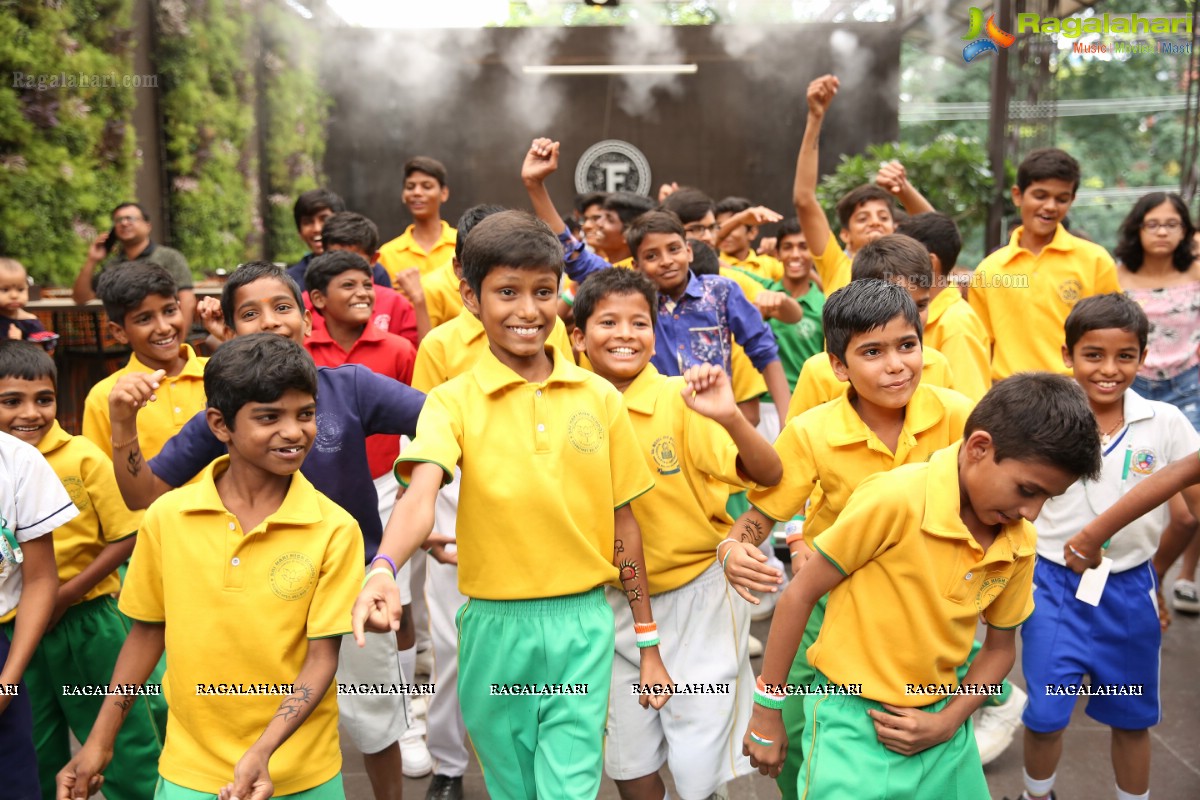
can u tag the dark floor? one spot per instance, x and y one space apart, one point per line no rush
1084 771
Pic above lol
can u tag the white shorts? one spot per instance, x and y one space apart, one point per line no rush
372 721
704 627
386 487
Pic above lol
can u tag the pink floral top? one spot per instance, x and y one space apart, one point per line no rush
1174 314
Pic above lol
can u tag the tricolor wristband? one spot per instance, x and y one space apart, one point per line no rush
766 700
646 634
390 563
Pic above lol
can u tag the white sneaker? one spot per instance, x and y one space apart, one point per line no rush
1184 597
755 648
415 759
996 725
419 708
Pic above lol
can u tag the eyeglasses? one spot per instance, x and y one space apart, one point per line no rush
126 218
695 230
1153 226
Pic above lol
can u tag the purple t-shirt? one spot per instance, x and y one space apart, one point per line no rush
352 403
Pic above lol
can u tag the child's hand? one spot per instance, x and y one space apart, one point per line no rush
652 672
908 731
1081 553
212 317
82 777
769 303
766 724
768 245
801 552
251 780
15 333
540 162
377 609
892 176
707 392
759 215
666 190
436 544
131 392
746 569
1164 616
820 95
408 281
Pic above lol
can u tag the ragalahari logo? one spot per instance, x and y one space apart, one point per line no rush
984 38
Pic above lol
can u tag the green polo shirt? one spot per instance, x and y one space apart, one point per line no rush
170 260
801 340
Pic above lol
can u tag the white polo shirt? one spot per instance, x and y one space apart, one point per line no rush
33 503
1155 434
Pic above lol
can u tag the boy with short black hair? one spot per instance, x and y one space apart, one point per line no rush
311 211
691 432
903 542
394 312
887 417
801 340
1024 291
143 311
739 219
427 243
952 328
620 209
537 615
1113 635
294 565
864 213
86 631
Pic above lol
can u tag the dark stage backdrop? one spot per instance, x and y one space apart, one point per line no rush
462 96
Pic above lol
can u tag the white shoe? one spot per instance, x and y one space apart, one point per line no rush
755 648
414 755
419 708
1184 597
425 662
996 725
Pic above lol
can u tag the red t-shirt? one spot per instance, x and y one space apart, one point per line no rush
381 352
392 313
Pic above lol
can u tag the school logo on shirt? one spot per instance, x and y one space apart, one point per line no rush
329 434
584 432
79 496
989 591
1069 291
291 576
665 457
1142 462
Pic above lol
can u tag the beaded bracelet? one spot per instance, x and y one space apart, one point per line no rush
758 738
123 445
764 698
390 563
378 571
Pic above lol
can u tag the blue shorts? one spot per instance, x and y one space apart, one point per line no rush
18 759
1116 644
1182 391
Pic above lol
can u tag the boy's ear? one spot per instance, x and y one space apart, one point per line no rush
691 255
457 266
117 332
445 193
470 301
979 446
751 232
844 235
839 368
307 323
375 258
1069 362
936 263
216 424
1016 196
577 341
1142 358
317 298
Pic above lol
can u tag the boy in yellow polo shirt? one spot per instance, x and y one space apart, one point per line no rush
914 559
143 310
245 577
952 326
1024 291
864 213
550 465
699 445
81 644
886 418
739 220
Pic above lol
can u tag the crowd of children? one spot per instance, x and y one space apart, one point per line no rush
558 463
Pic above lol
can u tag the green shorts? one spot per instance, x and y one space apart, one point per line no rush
844 760
329 790
533 681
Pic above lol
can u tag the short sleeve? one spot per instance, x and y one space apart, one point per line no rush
142 593
96 424
832 266
1182 439
872 522
630 476
810 389
338 581
1014 603
438 440
385 405
787 498
187 453
100 482
41 502
1106 274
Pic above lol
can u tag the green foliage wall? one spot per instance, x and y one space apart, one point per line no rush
67 153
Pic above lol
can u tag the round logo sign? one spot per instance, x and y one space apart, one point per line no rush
613 166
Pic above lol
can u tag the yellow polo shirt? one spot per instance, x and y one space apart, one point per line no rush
818 384
177 400
240 608
833 266
544 466
87 475
625 263
760 264
750 287
917 581
452 349
832 446
1023 300
443 300
746 380
403 252
957 332
694 464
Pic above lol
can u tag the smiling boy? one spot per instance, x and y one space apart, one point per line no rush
912 565
1024 291
544 523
